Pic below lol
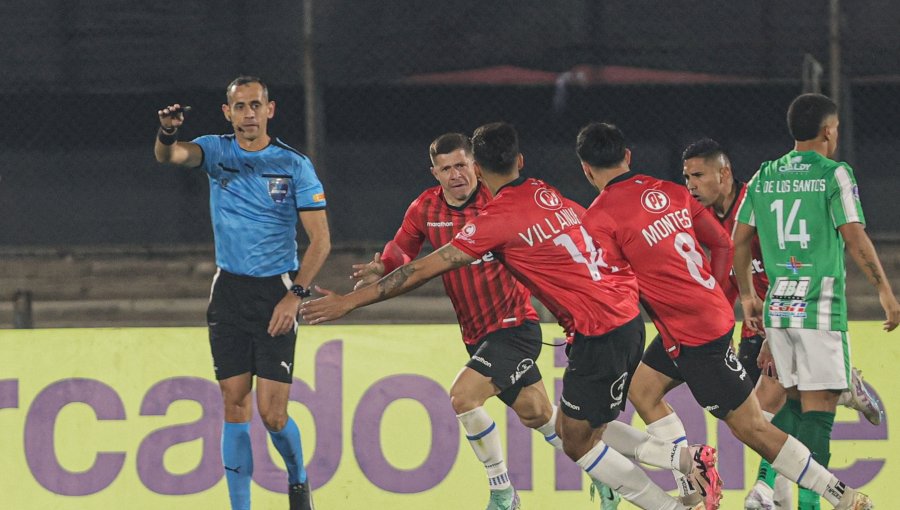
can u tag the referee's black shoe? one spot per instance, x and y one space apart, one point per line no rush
300 496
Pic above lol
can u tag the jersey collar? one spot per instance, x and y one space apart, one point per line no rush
619 178
272 141
738 186
518 181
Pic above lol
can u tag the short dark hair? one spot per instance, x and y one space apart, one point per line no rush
449 142
705 148
601 145
496 147
807 114
245 80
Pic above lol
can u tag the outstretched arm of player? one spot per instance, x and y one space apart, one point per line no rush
384 262
402 280
368 273
167 149
863 253
718 241
750 302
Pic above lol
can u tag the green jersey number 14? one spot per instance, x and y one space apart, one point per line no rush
785 228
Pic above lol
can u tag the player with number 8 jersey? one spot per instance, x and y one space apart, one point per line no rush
659 229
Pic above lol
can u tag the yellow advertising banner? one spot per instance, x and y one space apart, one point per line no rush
131 418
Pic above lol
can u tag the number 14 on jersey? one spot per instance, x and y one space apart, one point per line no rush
786 232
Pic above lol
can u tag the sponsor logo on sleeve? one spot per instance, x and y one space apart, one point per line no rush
318 197
466 233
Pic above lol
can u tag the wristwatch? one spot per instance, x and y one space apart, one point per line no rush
300 291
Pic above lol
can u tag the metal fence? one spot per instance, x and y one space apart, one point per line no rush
87 78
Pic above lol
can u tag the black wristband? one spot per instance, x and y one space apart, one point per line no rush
300 291
167 138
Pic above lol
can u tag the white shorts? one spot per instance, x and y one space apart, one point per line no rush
811 359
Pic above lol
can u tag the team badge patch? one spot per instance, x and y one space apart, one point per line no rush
547 199
467 231
278 189
654 201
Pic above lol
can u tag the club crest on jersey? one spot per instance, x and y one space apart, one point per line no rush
547 199
278 189
654 201
467 231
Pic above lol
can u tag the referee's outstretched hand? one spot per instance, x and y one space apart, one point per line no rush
331 307
284 317
172 116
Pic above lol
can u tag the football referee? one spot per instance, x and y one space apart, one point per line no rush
258 187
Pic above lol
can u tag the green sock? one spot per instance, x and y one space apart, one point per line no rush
787 419
815 433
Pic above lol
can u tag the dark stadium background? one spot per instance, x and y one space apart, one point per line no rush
83 80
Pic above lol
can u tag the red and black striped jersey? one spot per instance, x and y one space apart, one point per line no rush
485 296
760 281
538 235
659 228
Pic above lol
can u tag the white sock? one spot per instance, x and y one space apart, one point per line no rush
548 430
671 429
608 466
639 445
482 433
795 462
768 416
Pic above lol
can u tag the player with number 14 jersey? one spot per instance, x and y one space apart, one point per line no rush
808 286
525 216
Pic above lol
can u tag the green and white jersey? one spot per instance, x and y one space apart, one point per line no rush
796 203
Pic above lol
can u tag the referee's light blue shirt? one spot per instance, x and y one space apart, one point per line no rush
254 198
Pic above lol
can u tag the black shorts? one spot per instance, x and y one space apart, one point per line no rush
748 352
508 356
713 373
238 316
596 380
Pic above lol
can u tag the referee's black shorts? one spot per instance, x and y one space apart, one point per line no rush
240 308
